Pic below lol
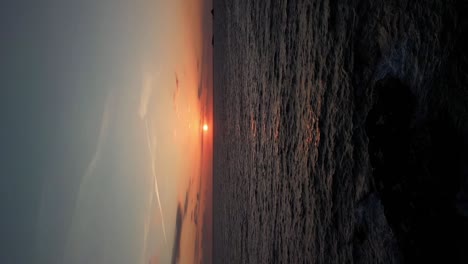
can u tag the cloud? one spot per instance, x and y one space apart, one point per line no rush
88 174
100 141
175 95
146 224
146 91
186 202
178 233
153 171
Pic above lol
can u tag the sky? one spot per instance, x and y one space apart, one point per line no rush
104 159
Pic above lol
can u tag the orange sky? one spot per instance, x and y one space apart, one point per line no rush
189 82
132 159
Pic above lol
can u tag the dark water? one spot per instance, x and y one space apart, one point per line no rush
340 131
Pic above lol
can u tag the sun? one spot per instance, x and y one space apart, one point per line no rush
205 127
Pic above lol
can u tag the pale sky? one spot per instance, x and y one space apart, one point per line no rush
110 97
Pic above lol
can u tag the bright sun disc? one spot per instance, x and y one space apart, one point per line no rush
205 127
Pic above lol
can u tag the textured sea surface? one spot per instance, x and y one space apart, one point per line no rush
294 83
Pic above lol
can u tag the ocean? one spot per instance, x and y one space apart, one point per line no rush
308 139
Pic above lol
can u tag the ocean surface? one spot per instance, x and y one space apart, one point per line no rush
319 106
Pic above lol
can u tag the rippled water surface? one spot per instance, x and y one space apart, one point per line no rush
294 83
